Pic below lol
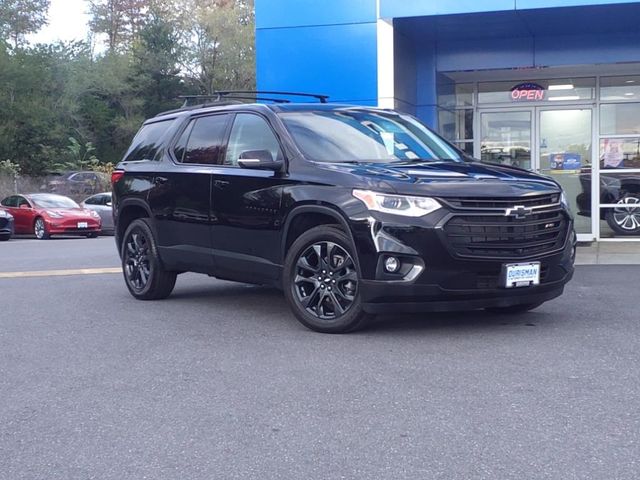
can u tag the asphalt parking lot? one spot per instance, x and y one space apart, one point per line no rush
221 382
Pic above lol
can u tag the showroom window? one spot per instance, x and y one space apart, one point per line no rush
620 156
455 114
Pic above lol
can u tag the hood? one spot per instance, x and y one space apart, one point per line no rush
446 179
70 212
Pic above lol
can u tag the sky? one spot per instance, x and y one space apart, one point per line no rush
67 21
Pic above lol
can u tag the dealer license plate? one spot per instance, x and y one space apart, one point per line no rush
522 274
83 225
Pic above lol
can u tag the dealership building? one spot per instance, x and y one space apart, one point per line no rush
548 85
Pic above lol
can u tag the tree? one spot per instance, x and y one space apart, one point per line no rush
120 20
219 44
21 17
156 57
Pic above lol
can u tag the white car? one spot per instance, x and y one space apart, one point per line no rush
101 203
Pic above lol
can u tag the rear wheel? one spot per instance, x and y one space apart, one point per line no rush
143 272
625 218
321 281
4 238
40 229
514 309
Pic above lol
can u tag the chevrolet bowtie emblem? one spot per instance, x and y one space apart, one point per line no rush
519 212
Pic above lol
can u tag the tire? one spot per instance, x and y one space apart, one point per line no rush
625 220
92 235
40 229
514 309
4 238
321 280
142 268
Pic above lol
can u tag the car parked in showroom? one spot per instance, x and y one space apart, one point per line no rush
352 211
101 203
621 189
6 225
46 214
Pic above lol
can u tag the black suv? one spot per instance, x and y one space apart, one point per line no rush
352 211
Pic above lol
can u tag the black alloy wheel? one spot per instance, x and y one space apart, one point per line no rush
625 219
322 282
144 275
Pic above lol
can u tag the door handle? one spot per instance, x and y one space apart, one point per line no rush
221 183
160 180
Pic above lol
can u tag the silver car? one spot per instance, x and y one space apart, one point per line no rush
101 203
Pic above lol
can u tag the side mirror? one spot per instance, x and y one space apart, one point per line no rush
259 160
108 204
24 206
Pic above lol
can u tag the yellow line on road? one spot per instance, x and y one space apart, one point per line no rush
61 273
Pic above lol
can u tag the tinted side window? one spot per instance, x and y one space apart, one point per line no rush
251 132
181 144
91 201
10 202
206 140
148 141
22 201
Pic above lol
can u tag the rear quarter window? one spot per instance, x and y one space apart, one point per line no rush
148 141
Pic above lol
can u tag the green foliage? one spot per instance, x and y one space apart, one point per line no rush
7 167
63 107
21 17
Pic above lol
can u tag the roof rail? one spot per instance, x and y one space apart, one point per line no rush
222 95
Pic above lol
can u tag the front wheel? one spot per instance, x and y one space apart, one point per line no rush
321 281
4 238
625 218
40 229
144 274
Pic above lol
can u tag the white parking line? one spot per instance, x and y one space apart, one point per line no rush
61 273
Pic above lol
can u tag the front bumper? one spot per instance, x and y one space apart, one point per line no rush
447 282
6 226
70 226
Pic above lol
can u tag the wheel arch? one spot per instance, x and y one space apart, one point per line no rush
128 211
304 217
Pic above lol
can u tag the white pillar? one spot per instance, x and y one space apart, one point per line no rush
386 87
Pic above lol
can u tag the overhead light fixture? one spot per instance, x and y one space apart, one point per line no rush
566 97
629 94
567 86
630 81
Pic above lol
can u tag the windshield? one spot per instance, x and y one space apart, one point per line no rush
53 201
359 135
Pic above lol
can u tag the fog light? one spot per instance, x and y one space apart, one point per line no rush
392 264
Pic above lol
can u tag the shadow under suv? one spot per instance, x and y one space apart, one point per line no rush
352 211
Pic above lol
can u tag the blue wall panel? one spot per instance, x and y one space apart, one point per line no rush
486 53
587 49
338 60
296 13
525 4
416 8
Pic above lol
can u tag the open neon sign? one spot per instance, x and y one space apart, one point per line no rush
527 92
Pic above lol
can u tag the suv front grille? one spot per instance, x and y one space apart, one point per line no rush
502 203
493 234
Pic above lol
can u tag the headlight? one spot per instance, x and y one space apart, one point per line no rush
564 201
397 204
94 214
5 214
54 214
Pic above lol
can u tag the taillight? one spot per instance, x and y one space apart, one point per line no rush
116 175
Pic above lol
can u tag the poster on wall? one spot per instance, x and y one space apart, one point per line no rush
612 153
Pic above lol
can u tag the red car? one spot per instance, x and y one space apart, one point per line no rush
45 214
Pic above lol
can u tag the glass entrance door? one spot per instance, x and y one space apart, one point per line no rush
564 152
